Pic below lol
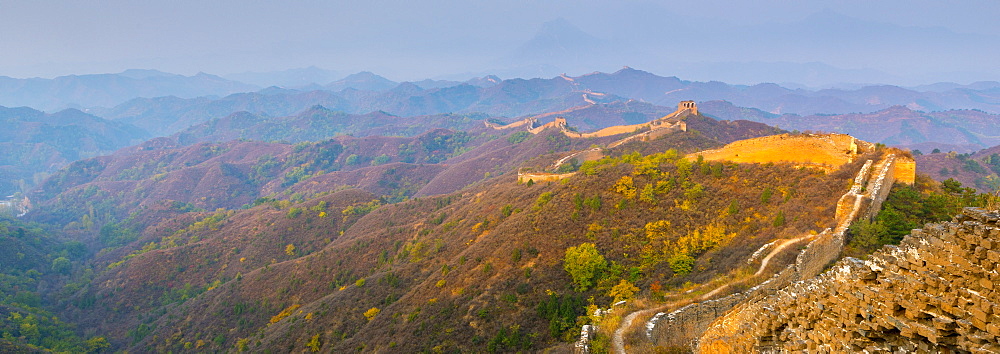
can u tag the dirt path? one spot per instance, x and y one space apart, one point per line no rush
618 340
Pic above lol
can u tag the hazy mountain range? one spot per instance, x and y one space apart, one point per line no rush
366 91
944 116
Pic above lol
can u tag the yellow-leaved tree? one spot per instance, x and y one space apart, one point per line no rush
583 263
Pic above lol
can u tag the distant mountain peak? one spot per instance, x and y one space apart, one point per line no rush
318 108
628 70
364 75
364 81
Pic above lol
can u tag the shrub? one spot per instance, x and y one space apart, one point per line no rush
61 265
681 263
518 137
380 160
371 313
314 344
543 199
625 186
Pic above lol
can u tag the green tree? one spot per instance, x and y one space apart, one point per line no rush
681 263
734 207
765 196
61 265
779 220
380 160
583 263
518 137
867 235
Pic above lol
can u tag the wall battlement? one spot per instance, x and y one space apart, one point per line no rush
671 121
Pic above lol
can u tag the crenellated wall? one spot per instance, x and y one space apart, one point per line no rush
935 292
529 123
671 122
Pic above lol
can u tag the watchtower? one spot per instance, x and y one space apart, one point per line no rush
688 106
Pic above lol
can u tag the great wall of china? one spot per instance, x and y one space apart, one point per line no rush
684 326
870 187
877 305
824 151
671 121
644 132
935 292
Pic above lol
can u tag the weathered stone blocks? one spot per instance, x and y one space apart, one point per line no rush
933 293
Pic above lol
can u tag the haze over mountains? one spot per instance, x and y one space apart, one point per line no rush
813 44
366 90
153 103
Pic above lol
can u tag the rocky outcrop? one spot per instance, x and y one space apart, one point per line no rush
934 292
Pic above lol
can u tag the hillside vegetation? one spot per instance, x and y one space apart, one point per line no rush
487 267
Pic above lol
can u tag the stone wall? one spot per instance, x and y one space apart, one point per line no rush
682 327
826 151
580 156
558 123
665 124
934 292
524 177
528 123
879 189
906 170
848 202
669 121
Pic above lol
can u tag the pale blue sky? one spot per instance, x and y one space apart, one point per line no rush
409 40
